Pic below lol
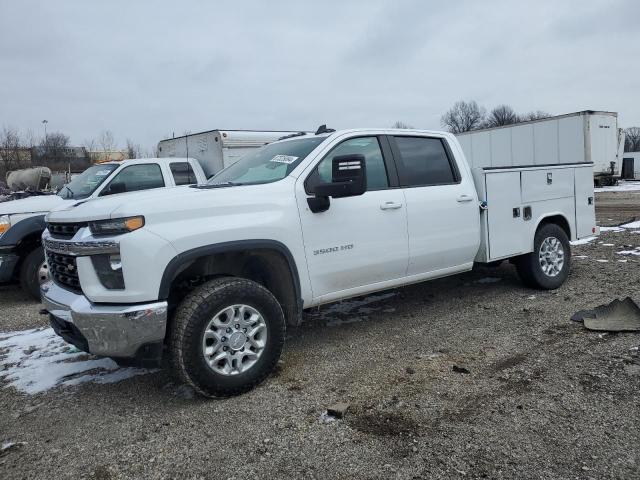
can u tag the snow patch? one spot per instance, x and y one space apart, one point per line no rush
612 229
635 224
34 361
635 251
621 187
602 260
580 256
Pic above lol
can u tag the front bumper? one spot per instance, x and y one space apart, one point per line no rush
120 331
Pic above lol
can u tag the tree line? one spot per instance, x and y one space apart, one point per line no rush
54 150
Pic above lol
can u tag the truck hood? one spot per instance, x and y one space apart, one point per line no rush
181 202
35 204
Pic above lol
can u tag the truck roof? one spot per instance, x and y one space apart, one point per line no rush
144 160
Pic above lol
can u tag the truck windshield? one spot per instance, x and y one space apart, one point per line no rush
267 164
86 183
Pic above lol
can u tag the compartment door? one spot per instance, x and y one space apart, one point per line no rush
506 231
585 208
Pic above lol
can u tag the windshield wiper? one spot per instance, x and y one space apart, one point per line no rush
217 185
70 191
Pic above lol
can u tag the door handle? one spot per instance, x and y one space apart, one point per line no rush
390 206
464 198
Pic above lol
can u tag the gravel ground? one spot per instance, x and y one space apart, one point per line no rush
472 376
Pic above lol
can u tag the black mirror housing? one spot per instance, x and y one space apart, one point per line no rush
348 179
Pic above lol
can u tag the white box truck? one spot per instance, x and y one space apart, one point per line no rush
587 136
217 149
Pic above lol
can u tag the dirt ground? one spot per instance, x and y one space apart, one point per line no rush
472 376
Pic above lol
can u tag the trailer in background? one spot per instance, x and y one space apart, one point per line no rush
217 149
631 166
587 136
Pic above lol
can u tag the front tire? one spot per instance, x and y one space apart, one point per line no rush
227 337
547 267
33 272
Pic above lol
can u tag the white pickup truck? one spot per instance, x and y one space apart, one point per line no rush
213 274
22 221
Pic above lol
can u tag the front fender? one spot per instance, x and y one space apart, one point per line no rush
22 229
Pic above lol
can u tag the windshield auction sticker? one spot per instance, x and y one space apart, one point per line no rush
288 159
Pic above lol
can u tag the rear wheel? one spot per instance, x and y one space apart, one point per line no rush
547 267
227 337
34 272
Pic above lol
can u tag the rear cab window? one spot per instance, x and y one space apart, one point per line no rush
424 161
182 173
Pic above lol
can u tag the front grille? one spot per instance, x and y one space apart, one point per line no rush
64 230
64 271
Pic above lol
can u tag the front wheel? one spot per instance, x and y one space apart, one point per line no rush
227 337
547 267
34 272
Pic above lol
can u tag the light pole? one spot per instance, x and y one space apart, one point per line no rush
44 122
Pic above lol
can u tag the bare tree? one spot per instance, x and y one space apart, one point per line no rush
537 115
133 149
632 139
10 149
463 117
107 141
401 125
500 116
52 151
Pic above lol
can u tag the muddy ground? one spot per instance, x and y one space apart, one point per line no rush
472 376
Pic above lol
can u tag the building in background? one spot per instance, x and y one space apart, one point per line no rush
101 156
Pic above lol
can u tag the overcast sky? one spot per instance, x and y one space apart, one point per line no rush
145 69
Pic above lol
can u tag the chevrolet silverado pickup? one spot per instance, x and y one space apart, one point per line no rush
211 275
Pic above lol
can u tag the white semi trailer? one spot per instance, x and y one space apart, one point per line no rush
217 149
587 136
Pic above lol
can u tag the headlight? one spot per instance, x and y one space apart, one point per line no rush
5 224
116 226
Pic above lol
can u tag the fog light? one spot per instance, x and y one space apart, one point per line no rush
109 271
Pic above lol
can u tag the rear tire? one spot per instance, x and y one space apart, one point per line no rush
31 271
547 267
227 337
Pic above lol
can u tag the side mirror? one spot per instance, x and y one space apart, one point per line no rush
349 179
115 187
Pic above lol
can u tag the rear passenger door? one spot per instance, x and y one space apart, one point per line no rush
442 205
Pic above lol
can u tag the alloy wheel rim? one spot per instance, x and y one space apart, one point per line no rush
234 339
551 256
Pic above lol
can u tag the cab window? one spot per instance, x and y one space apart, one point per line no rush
369 147
136 177
182 173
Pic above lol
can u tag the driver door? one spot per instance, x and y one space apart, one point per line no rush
360 241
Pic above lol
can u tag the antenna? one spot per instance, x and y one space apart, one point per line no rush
324 129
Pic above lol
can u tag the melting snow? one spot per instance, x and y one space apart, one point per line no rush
602 261
621 187
611 229
635 224
635 251
33 361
